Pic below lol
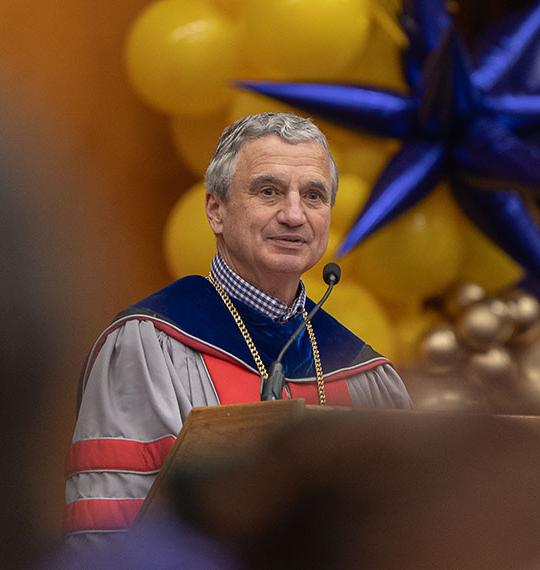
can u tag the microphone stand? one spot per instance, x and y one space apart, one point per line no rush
273 387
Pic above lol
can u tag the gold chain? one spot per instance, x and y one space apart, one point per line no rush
253 349
316 360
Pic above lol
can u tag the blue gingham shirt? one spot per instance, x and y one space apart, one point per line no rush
240 289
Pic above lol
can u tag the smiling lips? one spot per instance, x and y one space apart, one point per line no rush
289 241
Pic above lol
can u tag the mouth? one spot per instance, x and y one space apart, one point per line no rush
289 241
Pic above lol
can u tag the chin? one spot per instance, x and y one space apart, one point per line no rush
289 264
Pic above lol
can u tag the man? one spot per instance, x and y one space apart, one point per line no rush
207 341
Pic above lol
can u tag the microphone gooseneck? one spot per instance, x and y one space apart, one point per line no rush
273 387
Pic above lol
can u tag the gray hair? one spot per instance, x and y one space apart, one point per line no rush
290 128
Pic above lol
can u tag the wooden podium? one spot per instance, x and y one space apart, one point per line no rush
426 489
219 432
215 433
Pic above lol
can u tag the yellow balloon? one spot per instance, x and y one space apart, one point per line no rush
305 39
358 310
340 135
330 255
248 103
315 272
367 158
417 255
181 56
380 62
484 263
196 138
335 151
230 7
409 330
359 153
188 241
351 196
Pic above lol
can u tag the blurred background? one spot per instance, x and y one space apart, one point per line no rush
112 178
119 105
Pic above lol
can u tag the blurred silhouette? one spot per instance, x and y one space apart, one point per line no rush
43 244
380 491
30 333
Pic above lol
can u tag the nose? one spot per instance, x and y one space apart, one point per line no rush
291 212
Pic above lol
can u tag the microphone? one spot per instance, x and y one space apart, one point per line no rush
272 388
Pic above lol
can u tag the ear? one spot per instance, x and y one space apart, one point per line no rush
214 213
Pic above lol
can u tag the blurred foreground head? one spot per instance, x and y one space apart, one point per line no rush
29 334
373 490
38 250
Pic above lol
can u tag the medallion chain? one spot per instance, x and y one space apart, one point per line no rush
253 349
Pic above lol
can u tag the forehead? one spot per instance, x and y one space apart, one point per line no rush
270 153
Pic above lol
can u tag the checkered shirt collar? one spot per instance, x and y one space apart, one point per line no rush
240 289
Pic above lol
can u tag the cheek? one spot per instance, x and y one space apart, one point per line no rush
234 221
322 227
241 230
322 245
259 222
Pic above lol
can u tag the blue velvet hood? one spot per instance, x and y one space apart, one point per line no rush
193 306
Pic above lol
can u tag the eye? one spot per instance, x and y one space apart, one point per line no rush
315 195
267 191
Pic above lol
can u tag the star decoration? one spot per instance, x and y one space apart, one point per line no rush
472 118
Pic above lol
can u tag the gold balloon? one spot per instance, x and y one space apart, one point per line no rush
305 39
247 103
415 256
524 308
462 297
433 392
479 327
181 56
330 255
484 262
494 369
358 310
361 154
529 381
410 328
440 349
449 399
196 138
352 195
368 67
188 241
230 7
528 336
367 159
507 325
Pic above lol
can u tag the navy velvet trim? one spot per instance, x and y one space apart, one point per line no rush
192 304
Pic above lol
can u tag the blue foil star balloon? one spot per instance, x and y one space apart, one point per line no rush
471 118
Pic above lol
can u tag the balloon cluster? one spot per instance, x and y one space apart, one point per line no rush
486 352
182 58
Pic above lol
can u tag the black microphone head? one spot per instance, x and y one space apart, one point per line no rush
331 273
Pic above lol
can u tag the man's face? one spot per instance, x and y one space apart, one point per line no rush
275 222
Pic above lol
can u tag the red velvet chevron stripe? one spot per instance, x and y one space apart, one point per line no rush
337 392
100 514
235 385
115 454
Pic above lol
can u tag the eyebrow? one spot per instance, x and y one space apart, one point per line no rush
265 179
319 185
276 181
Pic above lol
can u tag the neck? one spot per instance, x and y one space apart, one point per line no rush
282 287
285 294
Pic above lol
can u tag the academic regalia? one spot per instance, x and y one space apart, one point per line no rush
181 348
